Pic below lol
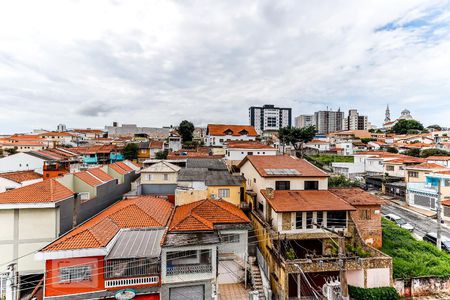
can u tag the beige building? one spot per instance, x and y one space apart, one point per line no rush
159 179
418 173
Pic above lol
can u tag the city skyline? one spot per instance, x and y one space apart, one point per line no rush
157 64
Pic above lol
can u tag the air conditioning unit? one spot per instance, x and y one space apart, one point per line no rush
214 196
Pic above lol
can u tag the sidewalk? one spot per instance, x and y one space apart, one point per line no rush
233 291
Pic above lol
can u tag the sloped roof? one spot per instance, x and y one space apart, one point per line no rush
248 145
438 158
120 168
21 176
163 167
203 215
97 232
235 130
264 163
46 191
426 166
94 176
357 196
305 200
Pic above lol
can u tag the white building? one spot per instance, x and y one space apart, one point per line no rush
237 151
21 162
14 180
269 118
219 134
355 122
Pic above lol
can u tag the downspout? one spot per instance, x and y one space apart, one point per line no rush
76 208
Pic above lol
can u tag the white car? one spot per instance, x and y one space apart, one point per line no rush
399 221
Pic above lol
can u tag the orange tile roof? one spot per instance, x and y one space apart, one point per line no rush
300 200
204 214
426 165
124 166
99 173
55 133
138 212
220 129
21 176
248 145
264 162
18 137
119 169
88 178
438 158
357 196
318 142
41 192
405 160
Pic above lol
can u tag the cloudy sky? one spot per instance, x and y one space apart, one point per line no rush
155 63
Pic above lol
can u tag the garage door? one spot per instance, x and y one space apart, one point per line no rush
194 292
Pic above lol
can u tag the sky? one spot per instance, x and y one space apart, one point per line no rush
155 63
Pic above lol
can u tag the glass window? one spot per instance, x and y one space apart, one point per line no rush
311 185
337 219
149 176
230 238
166 177
319 218
298 220
282 185
224 193
75 274
309 220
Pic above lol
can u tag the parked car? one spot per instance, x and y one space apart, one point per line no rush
399 221
432 238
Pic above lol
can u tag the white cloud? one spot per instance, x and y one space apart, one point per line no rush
88 63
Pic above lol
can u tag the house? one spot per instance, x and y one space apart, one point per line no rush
59 138
173 142
13 180
320 145
396 167
159 179
206 241
87 134
218 134
148 150
95 260
236 151
418 172
424 195
99 154
440 160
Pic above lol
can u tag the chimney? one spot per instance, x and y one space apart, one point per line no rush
269 193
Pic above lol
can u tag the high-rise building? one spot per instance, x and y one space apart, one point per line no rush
269 118
327 121
304 121
355 122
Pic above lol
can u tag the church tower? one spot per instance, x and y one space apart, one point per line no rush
388 115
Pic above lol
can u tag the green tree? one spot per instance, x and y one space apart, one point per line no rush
434 152
413 152
296 137
186 130
130 151
403 126
341 181
11 151
435 127
161 154
391 150
366 140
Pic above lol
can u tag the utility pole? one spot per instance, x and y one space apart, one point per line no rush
438 231
342 270
299 288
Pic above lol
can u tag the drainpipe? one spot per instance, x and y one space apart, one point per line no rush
76 208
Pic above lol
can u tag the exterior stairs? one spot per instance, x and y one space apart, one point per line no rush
257 281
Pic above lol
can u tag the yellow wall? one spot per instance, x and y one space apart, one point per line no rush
422 174
189 196
235 193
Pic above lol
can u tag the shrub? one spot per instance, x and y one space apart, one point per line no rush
382 293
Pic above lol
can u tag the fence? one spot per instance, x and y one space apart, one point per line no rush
422 286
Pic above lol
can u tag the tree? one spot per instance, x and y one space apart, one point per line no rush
186 130
435 127
130 151
413 152
296 137
341 181
434 152
403 126
391 150
11 151
366 140
161 154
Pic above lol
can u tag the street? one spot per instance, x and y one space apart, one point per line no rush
421 223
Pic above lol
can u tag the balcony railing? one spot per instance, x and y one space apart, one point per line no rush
189 269
111 283
422 188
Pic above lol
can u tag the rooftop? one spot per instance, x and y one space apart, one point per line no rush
97 232
357 196
21 176
248 145
426 166
301 200
46 191
234 130
282 166
208 163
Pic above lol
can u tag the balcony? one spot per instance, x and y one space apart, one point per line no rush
421 187
123 282
131 272
188 269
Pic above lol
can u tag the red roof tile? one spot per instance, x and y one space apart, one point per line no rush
100 174
438 158
426 165
119 169
138 212
356 196
21 176
235 130
41 192
88 178
296 200
265 162
204 214
248 145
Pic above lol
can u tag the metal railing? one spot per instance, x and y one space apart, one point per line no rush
131 281
188 269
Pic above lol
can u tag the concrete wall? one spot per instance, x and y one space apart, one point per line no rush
21 162
158 177
8 184
208 285
158 189
240 154
239 248
188 196
212 140
422 286
235 193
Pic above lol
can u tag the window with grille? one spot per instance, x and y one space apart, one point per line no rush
182 254
123 268
75 274
298 220
311 185
230 238
319 218
309 220
224 193
390 168
413 174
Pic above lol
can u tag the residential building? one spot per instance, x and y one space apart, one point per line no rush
13 180
425 194
95 260
159 179
236 151
397 167
99 154
303 121
132 129
59 138
418 172
355 122
174 142
319 145
327 121
148 150
440 160
219 134
269 118
207 240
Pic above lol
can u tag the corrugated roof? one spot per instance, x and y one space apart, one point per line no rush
208 163
137 243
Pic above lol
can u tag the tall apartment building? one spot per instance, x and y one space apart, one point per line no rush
269 118
327 121
304 121
355 122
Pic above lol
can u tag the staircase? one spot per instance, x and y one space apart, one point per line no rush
257 280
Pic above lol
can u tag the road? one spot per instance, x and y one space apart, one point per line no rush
421 223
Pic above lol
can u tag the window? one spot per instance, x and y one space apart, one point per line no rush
365 214
298 220
250 153
166 177
309 220
230 238
75 274
254 180
447 182
337 219
282 185
271 121
181 254
413 174
390 168
224 193
149 176
311 185
319 218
